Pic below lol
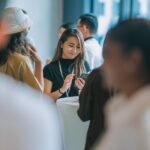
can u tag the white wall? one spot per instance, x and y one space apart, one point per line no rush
47 17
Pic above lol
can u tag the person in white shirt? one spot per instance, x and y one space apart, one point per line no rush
28 120
127 68
88 25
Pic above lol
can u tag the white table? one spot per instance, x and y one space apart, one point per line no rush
74 129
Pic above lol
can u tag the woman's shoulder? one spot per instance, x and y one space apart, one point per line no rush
51 65
19 58
49 70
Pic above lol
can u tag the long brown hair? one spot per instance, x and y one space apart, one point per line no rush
17 43
78 65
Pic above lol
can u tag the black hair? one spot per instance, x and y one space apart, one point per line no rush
91 21
133 33
68 25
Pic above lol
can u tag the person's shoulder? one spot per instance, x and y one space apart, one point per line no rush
92 44
49 69
19 58
91 41
95 42
52 65
96 70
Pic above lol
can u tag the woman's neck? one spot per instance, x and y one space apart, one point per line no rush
66 58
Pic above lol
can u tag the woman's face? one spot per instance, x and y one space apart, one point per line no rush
71 48
119 69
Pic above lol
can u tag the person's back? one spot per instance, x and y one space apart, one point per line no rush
19 67
93 53
14 64
92 100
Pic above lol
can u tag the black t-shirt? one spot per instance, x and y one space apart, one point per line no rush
52 72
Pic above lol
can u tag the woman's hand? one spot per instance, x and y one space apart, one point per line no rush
38 64
34 54
79 82
67 83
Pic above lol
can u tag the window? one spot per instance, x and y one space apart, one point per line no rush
140 8
108 12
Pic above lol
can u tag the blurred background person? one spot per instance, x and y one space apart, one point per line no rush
127 68
88 25
62 75
92 100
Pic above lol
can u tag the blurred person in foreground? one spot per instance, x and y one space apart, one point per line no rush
127 68
27 122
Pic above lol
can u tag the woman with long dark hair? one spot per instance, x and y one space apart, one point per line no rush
62 75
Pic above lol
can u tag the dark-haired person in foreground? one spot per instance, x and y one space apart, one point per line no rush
127 68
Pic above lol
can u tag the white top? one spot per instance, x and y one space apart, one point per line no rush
71 101
74 129
28 121
128 121
93 53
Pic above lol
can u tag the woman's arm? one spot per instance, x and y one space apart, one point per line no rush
38 64
39 73
48 87
57 94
